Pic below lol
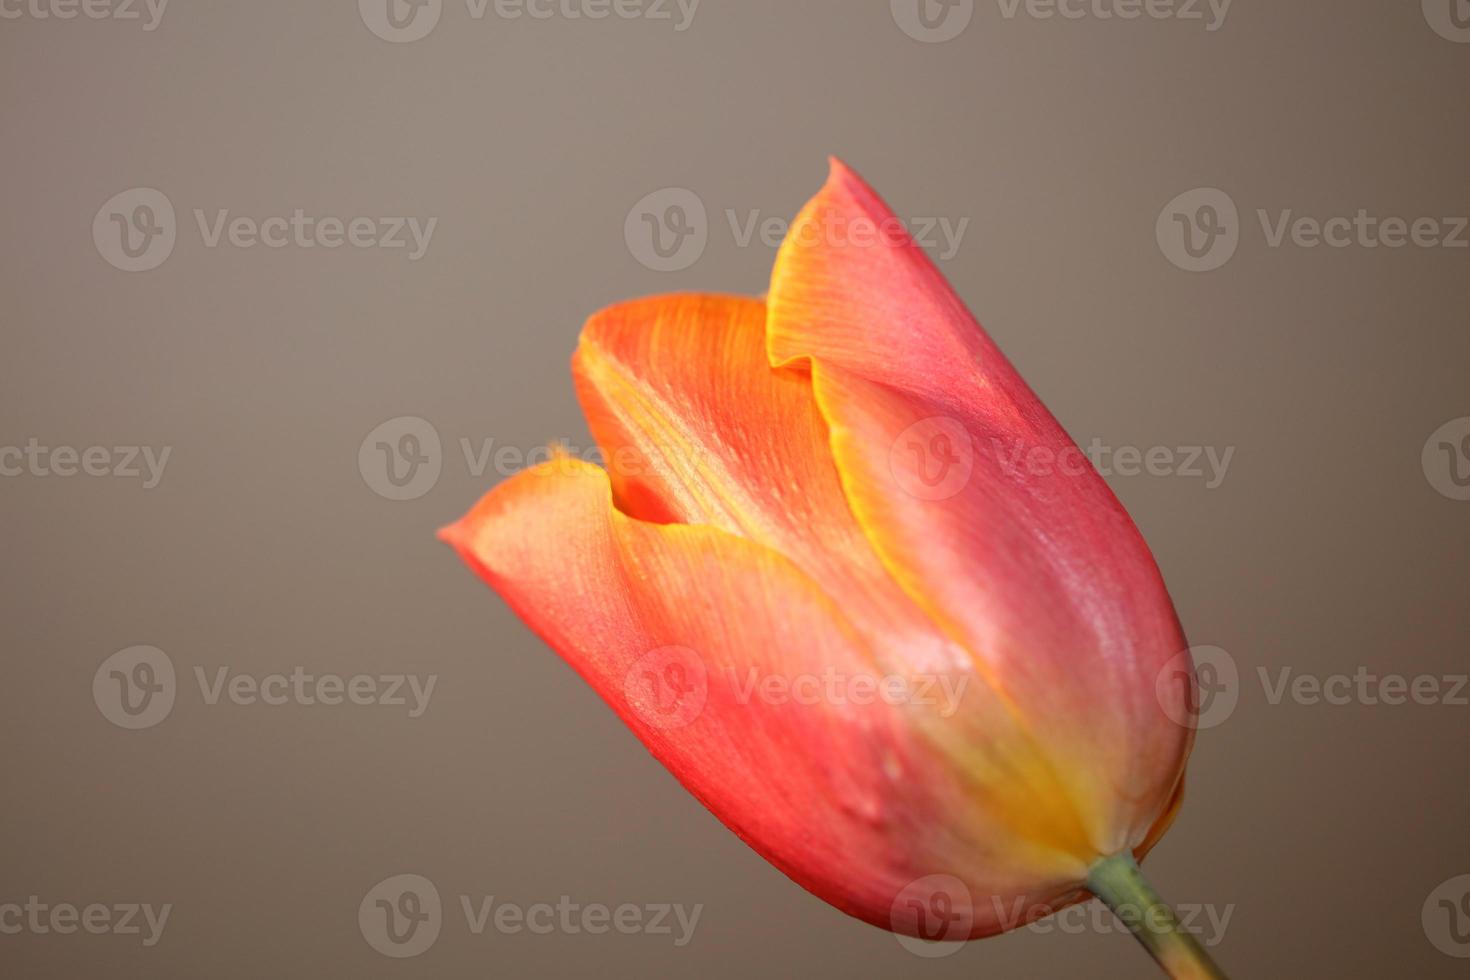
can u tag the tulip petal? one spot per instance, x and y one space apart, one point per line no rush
676 626
694 423
981 506
697 429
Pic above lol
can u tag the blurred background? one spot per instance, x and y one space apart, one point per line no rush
246 245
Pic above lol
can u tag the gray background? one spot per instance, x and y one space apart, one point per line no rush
1325 549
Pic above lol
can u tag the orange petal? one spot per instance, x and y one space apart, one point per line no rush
698 429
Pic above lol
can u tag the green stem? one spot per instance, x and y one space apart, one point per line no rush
1118 881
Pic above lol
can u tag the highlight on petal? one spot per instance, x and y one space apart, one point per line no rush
980 505
676 626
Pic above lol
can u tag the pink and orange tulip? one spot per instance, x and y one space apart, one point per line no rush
823 484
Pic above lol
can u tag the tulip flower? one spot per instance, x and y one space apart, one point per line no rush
848 579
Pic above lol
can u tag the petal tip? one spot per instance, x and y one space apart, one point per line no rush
837 169
451 534
503 499
842 178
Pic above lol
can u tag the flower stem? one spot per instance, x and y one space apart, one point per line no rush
1118 881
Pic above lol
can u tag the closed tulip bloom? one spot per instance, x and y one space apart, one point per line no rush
848 579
